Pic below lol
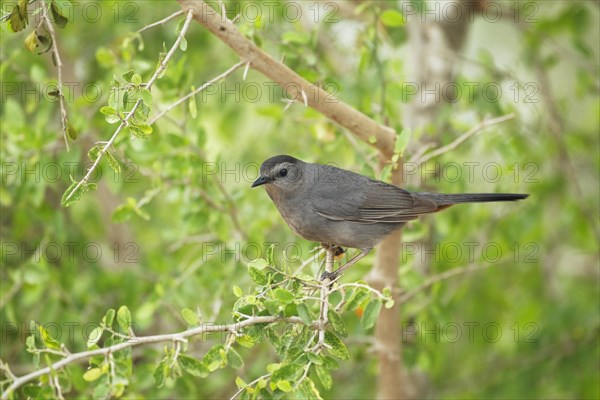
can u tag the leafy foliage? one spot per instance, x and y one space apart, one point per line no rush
167 236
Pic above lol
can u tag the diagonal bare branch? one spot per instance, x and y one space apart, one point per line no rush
161 22
441 277
197 90
139 340
56 54
125 121
486 123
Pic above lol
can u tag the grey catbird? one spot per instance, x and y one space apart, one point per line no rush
340 208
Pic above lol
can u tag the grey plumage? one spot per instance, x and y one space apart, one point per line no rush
333 206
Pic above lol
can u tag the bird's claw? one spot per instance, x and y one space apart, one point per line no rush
332 276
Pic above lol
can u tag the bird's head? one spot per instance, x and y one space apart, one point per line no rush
280 173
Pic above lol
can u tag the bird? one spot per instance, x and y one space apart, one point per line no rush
342 209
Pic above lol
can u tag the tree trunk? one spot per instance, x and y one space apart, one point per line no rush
433 45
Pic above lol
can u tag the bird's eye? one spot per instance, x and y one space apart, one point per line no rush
283 172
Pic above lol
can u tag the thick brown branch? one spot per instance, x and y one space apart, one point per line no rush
299 89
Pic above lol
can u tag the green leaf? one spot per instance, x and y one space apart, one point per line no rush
284 386
237 291
190 317
92 374
94 153
337 323
258 263
124 318
257 275
183 44
107 110
59 19
330 363
71 131
324 376
18 18
314 358
74 193
338 348
102 390
239 382
105 57
94 336
140 131
136 79
234 359
127 76
109 317
371 313
215 358
271 254
146 96
273 367
287 372
193 366
392 18
112 162
284 296
359 296
160 373
31 42
161 56
247 341
304 313
48 340
30 342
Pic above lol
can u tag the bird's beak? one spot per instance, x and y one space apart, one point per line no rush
261 181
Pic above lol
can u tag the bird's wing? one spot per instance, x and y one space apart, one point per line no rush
375 202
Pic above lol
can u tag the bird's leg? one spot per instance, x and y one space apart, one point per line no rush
338 251
333 275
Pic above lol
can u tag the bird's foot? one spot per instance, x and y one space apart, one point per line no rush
332 276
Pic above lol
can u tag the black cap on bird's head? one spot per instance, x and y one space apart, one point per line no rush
277 169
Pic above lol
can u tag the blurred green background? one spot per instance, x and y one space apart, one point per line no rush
177 227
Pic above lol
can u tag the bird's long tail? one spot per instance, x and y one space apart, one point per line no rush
446 200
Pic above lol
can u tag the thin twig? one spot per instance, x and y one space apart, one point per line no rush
360 285
486 123
161 22
196 91
180 336
125 120
440 277
53 380
304 375
56 55
324 302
